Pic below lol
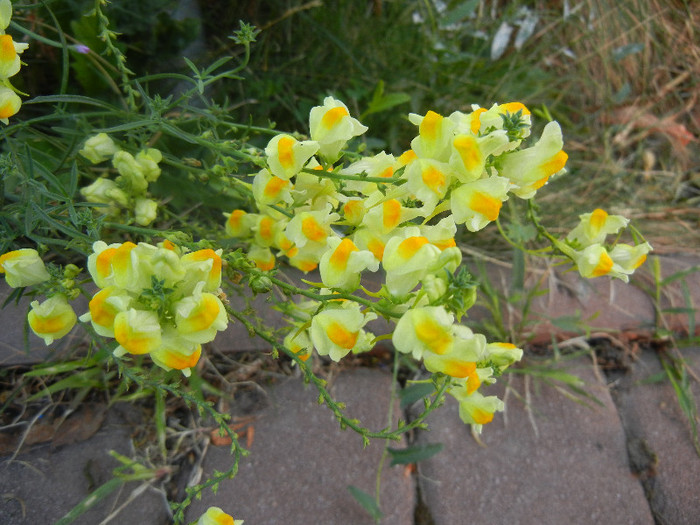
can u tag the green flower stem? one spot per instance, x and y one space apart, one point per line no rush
324 396
109 38
541 252
562 247
203 406
134 229
396 181
389 423
325 297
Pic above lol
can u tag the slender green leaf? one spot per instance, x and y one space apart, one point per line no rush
679 275
87 378
459 13
59 368
414 454
366 501
71 99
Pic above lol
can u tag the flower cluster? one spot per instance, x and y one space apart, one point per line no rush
586 247
53 318
157 300
9 65
129 190
378 212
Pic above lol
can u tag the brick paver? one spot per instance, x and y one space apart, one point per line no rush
301 463
661 440
553 463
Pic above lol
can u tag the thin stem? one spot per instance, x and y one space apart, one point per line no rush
396 181
324 396
389 424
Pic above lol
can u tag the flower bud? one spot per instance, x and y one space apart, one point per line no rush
145 211
99 148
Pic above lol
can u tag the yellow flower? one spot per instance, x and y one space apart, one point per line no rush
478 203
314 191
441 234
266 229
269 189
474 408
216 516
113 265
51 319
164 264
203 266
379 165
131 170
530 169
629 258
502 355
435 134
353 211
9 104
104 307
428 181
286 156
388 215
593 261
342 264
332 126
336 332
262 256
469 153
136 331
408 257
105 191
238 223
176 352
595 226
369 239
424 330
200 316
481 119
5 14
311 227
299 343
9 57
23 267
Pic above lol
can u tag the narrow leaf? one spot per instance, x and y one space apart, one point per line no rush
366 501
414 454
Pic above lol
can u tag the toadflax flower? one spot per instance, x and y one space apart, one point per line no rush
216 516
199 316
9 104
342 264
137 332
51 319
336 332
332 126
286 156
23 267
